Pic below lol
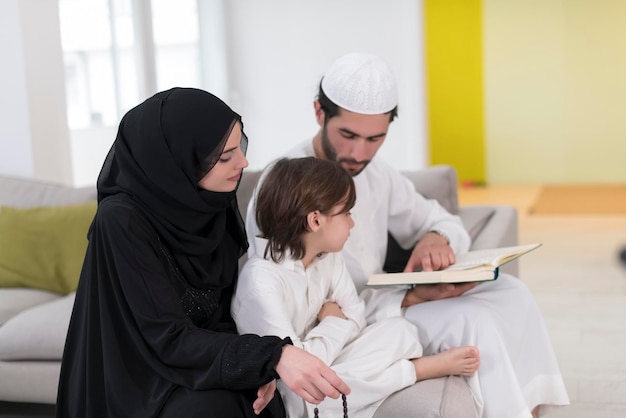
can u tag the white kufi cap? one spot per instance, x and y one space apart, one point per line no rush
361 83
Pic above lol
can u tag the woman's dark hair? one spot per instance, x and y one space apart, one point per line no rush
292 189
331 109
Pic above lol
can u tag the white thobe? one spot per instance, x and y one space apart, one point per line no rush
518 368
284 299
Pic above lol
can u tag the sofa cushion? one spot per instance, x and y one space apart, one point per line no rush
15 300
443 397
28 382
44 247
38 333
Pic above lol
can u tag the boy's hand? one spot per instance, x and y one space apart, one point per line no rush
330 309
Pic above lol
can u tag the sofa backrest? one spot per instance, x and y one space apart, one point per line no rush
18 192
436 182
248 181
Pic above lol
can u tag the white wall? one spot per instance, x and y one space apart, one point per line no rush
15 151
34 138
89 149
279 49
276 51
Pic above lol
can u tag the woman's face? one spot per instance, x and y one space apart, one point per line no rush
225 174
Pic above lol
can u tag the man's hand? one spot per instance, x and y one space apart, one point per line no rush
432 252
263 396
330 309
308 376
426 292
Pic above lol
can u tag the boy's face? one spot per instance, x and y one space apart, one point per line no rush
352 139
335 229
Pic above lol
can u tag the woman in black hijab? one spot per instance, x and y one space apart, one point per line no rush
151 333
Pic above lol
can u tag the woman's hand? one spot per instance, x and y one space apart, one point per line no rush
264 396
308 376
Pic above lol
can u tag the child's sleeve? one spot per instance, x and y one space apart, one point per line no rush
343 291
260 307
384 302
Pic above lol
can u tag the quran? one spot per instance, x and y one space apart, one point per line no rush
473 266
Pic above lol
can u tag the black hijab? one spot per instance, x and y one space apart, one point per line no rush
164 146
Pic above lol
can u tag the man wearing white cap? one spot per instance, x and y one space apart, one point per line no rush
357 101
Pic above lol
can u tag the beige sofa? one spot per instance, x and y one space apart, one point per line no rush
33 322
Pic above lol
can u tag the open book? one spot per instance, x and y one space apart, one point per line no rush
473 266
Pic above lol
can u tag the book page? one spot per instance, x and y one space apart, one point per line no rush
494 257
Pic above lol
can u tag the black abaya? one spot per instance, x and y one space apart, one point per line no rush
151 331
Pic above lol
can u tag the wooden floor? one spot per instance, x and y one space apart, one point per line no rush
609 199
580 286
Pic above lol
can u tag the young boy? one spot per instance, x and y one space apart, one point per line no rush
300 288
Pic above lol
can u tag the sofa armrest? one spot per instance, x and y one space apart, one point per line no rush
489 226
500 230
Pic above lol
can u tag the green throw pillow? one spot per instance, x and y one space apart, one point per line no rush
44 247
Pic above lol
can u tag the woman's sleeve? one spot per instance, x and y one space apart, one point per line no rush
155 323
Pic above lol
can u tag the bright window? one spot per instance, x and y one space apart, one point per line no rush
119 52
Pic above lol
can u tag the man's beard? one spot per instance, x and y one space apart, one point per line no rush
331 154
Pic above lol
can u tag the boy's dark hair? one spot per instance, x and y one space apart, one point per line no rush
292 189
331 109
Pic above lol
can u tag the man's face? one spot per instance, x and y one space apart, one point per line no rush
352 139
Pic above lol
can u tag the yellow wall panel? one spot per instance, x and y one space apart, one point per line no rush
454 86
